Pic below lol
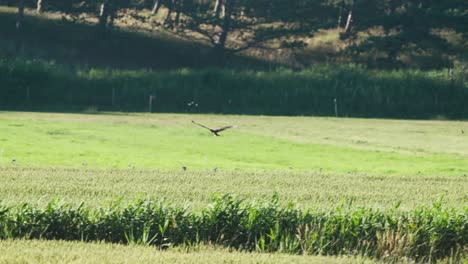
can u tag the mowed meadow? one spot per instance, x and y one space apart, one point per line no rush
385 189
171 141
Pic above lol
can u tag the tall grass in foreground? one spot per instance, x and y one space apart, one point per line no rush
359 92
424 234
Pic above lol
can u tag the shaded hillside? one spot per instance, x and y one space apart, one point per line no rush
52 39
139 40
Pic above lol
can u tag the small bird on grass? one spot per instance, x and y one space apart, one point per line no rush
213 131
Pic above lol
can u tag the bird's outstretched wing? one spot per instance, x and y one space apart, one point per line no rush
201 125
223 128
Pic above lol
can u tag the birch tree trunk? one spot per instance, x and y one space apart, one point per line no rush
217 8
223 8
103 15
107 14
156 6
348 21
39 6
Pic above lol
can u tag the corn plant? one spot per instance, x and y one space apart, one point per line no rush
423 234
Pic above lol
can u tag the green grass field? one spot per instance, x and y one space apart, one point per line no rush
259 143
318 163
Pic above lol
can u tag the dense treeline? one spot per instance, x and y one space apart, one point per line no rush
424 234
359 92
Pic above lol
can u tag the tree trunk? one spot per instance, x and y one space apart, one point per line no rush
217 8
221 45
177 7
340 15
111 13
20 18
170 8
68 6
107 14
103 15
223 8
350 18
156 6
348 21
19 26
39 6
226 24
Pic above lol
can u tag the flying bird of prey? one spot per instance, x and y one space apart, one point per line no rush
213 131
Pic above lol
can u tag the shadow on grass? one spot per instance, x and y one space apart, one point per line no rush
85 45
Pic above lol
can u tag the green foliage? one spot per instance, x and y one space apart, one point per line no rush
423 234
360 92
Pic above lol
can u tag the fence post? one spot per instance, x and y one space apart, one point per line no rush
113 96
336 107
151 98
28 94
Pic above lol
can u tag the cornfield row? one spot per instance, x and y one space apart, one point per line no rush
424 234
